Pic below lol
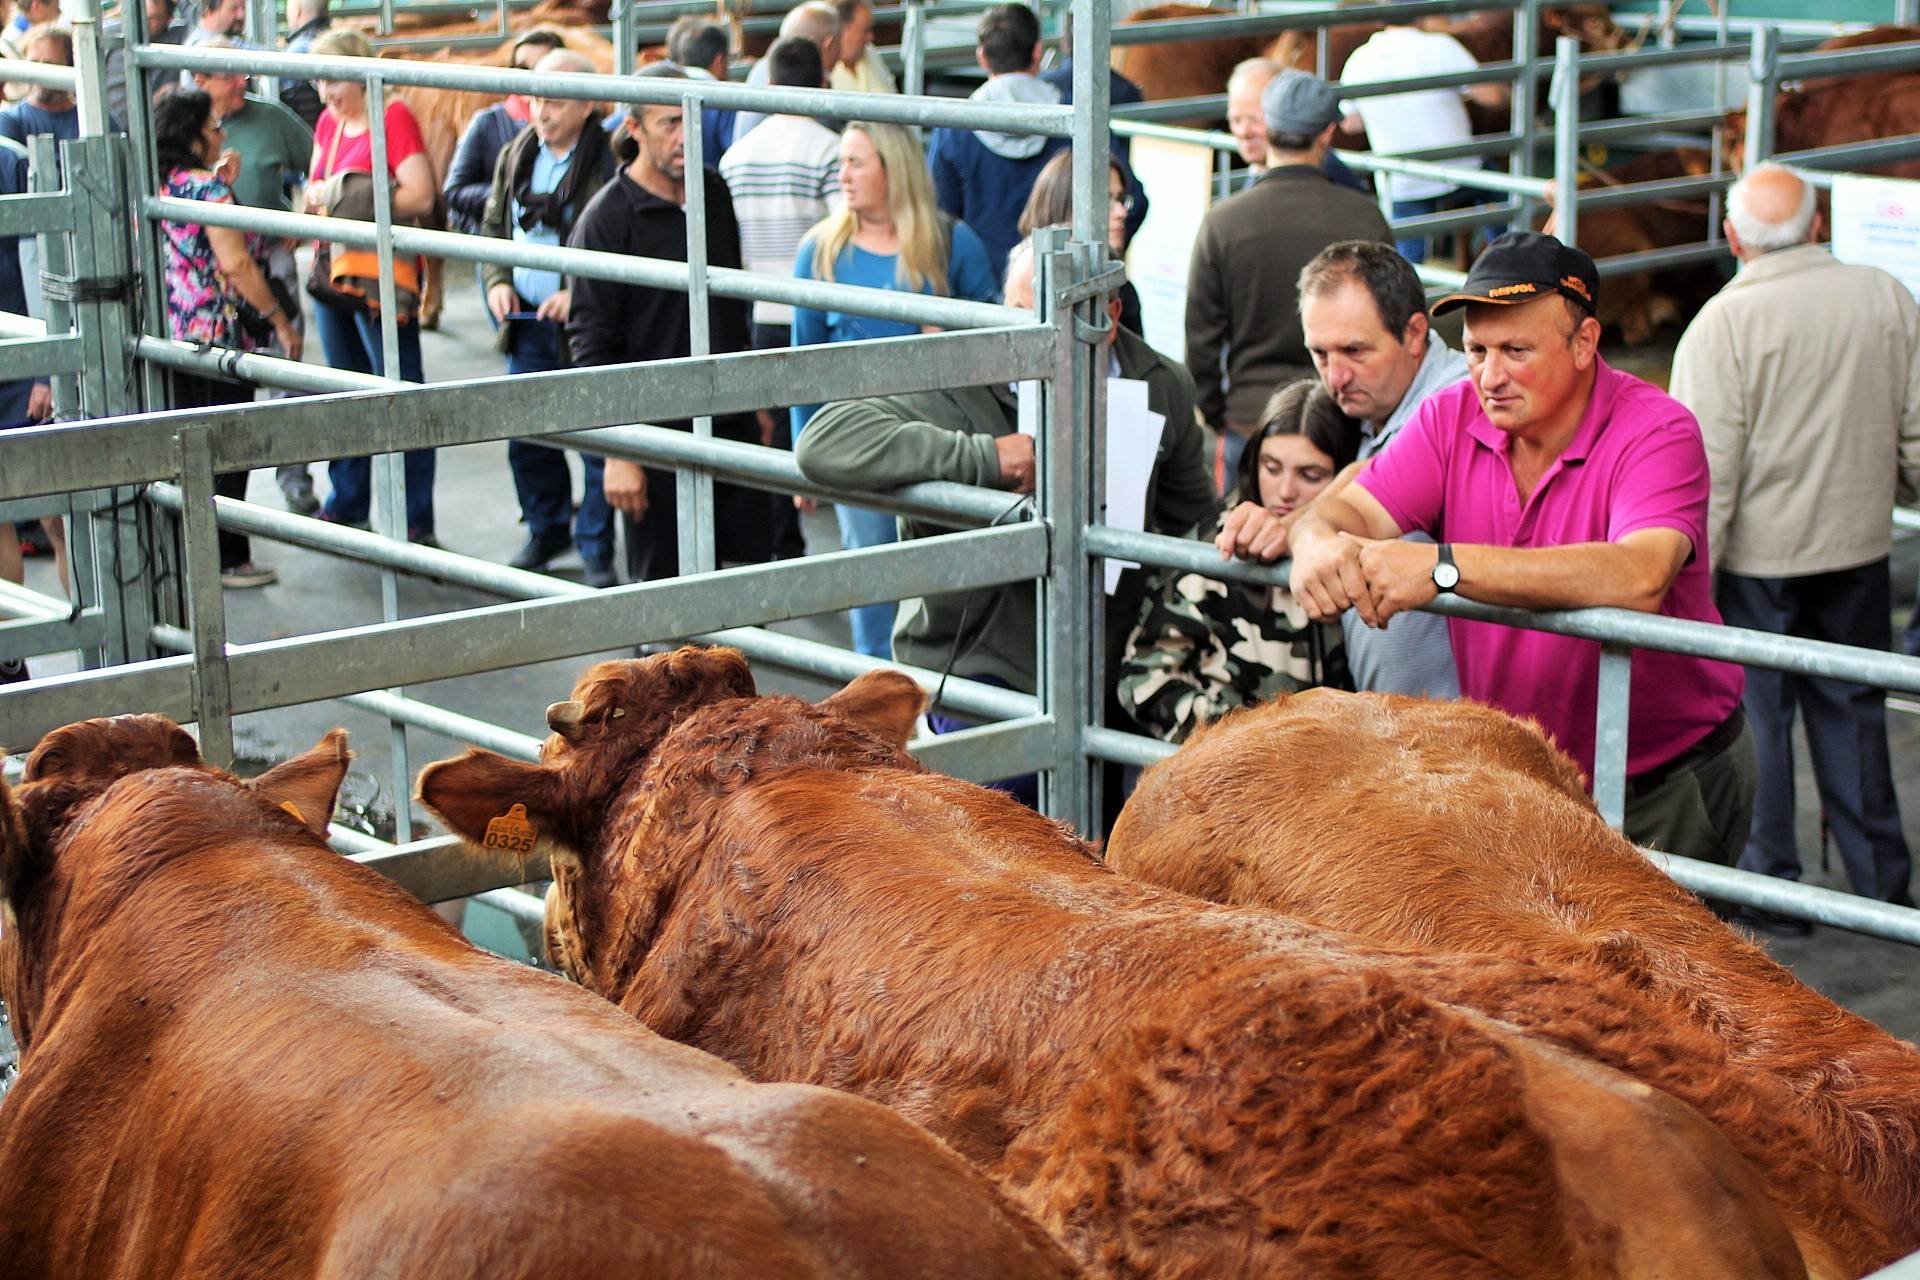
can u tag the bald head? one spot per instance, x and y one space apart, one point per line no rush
1770 208
818 22
567 60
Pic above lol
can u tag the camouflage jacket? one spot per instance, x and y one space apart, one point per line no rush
1204 647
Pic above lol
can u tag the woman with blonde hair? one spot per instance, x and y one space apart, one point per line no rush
350 334
887 234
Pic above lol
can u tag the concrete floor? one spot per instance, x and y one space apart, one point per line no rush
476 511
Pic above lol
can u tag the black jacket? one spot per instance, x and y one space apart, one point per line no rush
497 218
612 323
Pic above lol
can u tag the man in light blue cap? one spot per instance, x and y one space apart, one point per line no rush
1244 339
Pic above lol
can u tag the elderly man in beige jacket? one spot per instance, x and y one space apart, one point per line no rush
1805 375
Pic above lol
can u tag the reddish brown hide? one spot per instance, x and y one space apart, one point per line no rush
1456 828
244 1056
1176 1090
1828 112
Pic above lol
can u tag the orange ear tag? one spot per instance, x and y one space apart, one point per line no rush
294 809
511 832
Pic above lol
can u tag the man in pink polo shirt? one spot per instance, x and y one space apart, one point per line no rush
1551 481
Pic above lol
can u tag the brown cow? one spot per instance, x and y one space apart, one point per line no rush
1176 1090
245 1056
1830 111
1455 828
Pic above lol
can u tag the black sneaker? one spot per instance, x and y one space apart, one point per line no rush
539 552
300 498
1770 923
600 575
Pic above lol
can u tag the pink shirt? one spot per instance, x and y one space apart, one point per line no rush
1636 462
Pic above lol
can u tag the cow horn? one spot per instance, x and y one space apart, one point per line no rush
564 717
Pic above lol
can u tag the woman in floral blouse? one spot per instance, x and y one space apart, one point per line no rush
216 293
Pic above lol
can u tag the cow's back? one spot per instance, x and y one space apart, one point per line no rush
1174 1089
272 1063
1439 827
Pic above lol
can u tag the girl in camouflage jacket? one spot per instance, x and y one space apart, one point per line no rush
1204 647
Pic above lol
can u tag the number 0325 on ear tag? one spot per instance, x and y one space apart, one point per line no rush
510 832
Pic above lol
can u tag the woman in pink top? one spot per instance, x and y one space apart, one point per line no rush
342 142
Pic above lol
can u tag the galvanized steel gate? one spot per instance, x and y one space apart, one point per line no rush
141 469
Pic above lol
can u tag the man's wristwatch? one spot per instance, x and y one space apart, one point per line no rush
1446 574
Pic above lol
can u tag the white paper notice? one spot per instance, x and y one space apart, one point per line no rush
1133 444
1026 416
1876 222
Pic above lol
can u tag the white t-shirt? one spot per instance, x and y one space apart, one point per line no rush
1401 122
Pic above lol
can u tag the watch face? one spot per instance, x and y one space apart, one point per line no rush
1446 576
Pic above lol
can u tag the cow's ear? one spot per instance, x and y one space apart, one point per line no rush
884 703
308 785
498 804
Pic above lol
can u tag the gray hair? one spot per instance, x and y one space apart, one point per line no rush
1243 70
564 59
815 20
1760 235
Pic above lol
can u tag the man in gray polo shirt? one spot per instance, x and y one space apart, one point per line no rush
1363 313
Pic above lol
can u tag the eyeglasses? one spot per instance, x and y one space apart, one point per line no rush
1122 202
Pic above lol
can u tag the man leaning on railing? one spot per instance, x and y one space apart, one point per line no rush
1552 481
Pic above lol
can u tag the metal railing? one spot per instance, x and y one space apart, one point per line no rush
175 455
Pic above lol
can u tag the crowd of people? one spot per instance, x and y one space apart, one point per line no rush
1318 413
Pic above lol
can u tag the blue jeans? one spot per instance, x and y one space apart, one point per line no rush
873 623
541 478
1025 787
1415 250
351 341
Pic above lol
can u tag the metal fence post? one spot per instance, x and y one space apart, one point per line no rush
1611 709
1565 96
389 469
694 489
913 49
212 692
624 52
1763 70
1525 92
1072 439
263 24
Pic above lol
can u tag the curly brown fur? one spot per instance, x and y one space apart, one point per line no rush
1175 1089
1438 826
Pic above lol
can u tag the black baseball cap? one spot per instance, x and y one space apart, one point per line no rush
1523 265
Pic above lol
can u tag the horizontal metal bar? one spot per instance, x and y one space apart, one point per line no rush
136 449
1477 179
1801 901
956 694
284 672
267 371
1433 224
163 686
1123 748
34 212
1679 255
1906 518
991 751
1851 62
1045 121
1736 51
656 273
1766 649
1636 193
1853 154
1132 128
28 637
40 357
775 469
1391 12
1487 73
443 868
19 601
51 75
448 724
966 697
1636 126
